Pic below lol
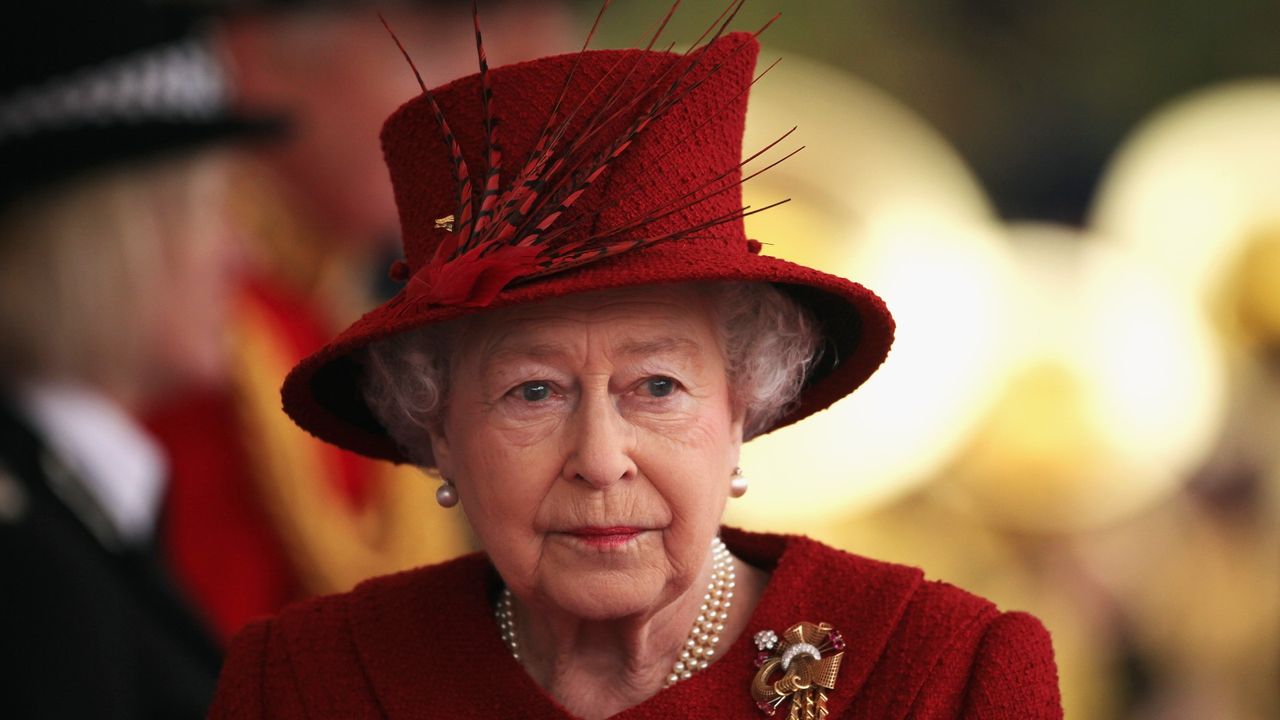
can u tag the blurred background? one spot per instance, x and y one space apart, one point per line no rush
1071 208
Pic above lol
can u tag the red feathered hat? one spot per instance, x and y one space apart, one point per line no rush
571 174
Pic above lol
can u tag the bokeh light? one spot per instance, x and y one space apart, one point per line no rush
1196 183
886 202
1115 396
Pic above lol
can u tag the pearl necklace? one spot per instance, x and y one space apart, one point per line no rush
703 638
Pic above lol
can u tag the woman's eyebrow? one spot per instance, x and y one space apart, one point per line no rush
681 346
515 351
511 351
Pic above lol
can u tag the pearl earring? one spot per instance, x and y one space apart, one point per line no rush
737 484
447 494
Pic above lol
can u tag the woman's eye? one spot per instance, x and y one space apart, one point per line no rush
659 386
536 391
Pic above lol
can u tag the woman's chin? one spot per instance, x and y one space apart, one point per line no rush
604 595
601 575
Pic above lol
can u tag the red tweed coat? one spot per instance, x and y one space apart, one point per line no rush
423 644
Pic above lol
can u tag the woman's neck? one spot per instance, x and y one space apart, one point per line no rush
600 668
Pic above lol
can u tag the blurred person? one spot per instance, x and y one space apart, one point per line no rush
584 340
116 270
323 201
261 513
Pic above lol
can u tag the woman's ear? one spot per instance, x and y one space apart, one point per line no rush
440 450
738 422
737 425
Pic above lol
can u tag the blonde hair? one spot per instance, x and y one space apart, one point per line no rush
82 267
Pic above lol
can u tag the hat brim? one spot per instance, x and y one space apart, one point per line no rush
322 393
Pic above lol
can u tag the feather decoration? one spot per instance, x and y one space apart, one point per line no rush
505 236
493 152
462 175
584 177
591 218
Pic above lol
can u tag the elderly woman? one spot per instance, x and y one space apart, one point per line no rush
584 341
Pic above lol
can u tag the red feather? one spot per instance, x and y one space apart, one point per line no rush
493 153
462 175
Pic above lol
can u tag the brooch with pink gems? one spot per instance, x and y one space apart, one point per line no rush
799 667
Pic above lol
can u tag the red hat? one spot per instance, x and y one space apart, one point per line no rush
571 174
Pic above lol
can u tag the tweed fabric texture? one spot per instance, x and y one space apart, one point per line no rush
424 644
692 144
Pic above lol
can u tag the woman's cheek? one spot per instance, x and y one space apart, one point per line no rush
668 416
503 482
528 432
691 425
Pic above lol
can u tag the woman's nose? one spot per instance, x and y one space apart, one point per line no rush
601 443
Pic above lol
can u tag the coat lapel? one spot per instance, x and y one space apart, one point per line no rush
862 598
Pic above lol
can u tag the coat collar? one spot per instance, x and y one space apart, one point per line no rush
427 639
117 462
58 514
38 476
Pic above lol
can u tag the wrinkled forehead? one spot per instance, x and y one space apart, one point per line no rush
672 320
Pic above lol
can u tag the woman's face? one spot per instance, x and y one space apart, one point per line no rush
591 439
198 277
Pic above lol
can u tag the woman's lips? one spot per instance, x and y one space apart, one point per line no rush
604 537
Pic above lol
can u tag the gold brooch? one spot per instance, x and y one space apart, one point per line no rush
808 658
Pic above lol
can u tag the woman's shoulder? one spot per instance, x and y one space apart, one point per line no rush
464 574
803 567
907 636
313 653
917 608
933 607
435 583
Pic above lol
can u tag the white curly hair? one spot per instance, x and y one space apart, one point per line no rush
769 343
